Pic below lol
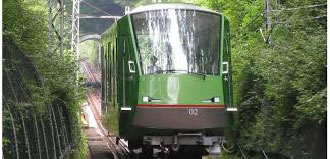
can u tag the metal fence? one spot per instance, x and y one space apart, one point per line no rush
27 132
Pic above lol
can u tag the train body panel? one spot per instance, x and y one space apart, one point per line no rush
181 89
180 118
164 78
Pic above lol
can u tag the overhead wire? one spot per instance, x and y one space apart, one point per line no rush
302 7
301 20
95 7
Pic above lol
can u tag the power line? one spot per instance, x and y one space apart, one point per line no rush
302 7
96 8
82 16
252 22
302 20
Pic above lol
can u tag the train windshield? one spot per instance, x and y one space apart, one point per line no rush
178 40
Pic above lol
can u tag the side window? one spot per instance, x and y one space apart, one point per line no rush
124 46
227 42
102 70
102 60
109 72
105 74
227 36
112 70
123 56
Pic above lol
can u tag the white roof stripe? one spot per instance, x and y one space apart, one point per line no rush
160 6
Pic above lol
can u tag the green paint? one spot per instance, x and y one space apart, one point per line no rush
180 88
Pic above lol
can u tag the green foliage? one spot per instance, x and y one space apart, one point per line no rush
89 50
110 122
26 22
280 87
225 155
6 123
82 151
40 97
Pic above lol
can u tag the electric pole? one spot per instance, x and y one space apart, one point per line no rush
56 26
268 22
75 28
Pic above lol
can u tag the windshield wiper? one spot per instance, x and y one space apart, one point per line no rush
202 74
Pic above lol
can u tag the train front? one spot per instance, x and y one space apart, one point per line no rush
184 83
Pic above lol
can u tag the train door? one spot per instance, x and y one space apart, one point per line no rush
121 42
226 67
129 78
130 75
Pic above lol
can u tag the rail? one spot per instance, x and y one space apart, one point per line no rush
118 148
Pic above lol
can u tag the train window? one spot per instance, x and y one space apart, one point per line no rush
178 40
124 46
106 74
102 71
109 70
112 71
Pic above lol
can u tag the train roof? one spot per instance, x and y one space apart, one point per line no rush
160 6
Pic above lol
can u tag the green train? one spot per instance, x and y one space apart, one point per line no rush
166 79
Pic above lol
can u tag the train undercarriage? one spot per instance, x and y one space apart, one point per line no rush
181 146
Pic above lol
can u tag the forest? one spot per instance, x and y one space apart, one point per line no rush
278 62
279 75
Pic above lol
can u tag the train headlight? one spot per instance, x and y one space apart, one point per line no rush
145 99
216 99
149 99
212 100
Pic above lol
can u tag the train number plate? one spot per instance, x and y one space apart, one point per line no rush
193 112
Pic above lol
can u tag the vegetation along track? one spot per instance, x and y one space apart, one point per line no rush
117 147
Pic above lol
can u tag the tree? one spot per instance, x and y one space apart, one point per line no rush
280 87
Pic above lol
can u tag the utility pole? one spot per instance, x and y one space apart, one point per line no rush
56 26
75 23
268 23
75 28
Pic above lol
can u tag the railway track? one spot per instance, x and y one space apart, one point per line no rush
118 148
